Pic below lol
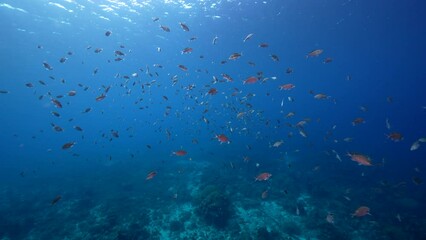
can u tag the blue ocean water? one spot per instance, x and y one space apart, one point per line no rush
110 131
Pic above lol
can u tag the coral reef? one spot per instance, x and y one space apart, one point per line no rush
177 226
264 234
200 210
213 206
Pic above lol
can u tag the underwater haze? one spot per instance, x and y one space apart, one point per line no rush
212 119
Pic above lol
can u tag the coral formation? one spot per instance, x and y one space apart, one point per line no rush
213 206
264 234
177 226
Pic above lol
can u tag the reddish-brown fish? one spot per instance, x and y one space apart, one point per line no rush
263 176
287 86
314 53
180 153
47 66
357 121
186 50
182 67
56 200
275 58
165 28
212 91
57 103
151 175
321 96
68 145
227 77
250 80
328 60
235 56
222 138
361 212
360 159
100 98
395 136
184 27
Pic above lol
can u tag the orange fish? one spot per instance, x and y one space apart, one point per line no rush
361 212
151 175
287 86
222 138
360 159
180 153
263 176
250 80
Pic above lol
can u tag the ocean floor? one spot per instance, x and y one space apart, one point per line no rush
199 201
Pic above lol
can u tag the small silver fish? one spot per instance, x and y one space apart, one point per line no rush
248 37
337 155
388 126
214 41
303 133
415 146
